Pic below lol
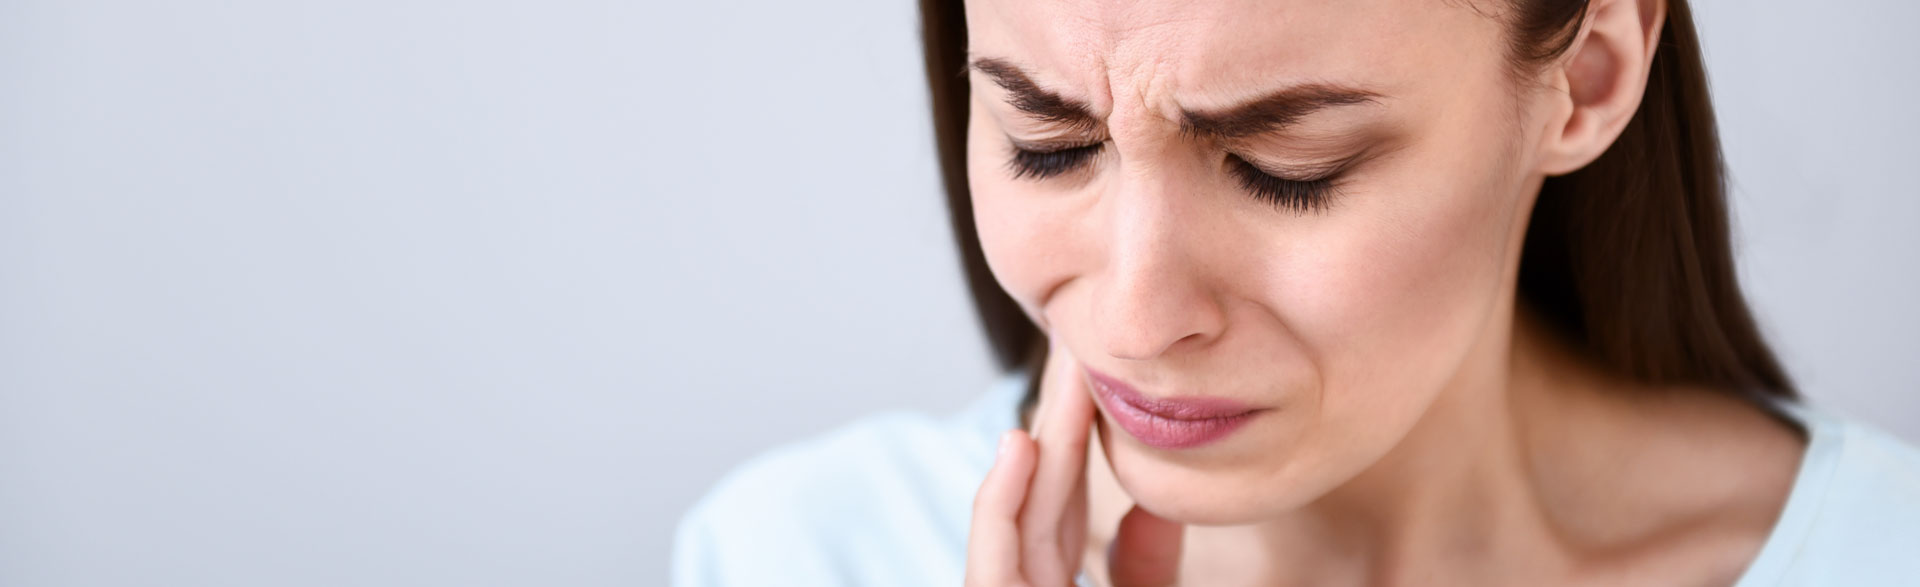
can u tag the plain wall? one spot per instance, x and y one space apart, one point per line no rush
483 293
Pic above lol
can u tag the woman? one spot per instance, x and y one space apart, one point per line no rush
1356 293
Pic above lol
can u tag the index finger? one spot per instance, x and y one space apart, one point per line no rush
1051 523
1065 400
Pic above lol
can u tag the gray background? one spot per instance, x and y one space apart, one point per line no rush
475 293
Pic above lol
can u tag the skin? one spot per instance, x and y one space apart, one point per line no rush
1420 426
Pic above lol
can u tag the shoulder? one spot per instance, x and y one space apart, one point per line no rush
1854 515
884 500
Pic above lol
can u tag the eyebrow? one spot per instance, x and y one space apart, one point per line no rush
1271 112
1032 99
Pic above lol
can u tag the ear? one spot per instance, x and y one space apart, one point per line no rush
1601 81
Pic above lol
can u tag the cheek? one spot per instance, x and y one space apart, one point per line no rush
1026 231
1395 297
1004 230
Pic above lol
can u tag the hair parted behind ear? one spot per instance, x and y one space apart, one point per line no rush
1632 255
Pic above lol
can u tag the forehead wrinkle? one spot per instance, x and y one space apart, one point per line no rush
1101 51
1131 61
1144 50
1098 63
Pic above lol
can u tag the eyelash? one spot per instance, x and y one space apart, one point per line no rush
1293 195
1042 164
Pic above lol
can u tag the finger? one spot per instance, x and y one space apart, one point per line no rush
1064 419
1145 552
1073 527
993 541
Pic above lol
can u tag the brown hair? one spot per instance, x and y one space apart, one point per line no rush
1630 257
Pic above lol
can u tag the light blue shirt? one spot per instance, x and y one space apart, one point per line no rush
885 501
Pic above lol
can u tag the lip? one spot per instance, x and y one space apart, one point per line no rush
1169 423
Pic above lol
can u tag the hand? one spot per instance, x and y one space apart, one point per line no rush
1030 515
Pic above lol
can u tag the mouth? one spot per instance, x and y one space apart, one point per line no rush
1169 423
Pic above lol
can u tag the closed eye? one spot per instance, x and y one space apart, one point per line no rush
1045 163
1296 195
1290 194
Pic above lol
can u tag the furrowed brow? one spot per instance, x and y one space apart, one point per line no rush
1272 112
1030 98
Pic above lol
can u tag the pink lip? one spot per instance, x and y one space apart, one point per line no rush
1169 423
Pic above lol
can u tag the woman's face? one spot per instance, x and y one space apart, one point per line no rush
1310 207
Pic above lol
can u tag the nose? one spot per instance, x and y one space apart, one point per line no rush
1155 297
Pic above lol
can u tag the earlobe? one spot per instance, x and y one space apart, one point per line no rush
1605 74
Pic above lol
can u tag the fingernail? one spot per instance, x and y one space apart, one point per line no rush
1006 440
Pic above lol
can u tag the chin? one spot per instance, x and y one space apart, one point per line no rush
1219 497
1195 504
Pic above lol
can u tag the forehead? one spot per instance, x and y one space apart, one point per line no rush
1206 53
